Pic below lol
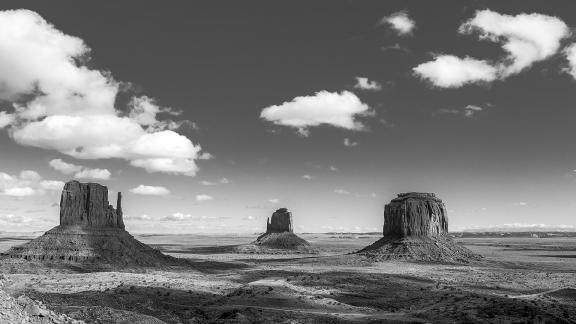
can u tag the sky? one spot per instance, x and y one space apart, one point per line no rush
209 115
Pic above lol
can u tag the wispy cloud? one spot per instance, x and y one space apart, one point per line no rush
365 84
401 22
150 190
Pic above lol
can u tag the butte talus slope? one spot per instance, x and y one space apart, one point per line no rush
91 232
279 237
416 228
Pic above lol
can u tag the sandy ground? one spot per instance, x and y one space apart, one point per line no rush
519 280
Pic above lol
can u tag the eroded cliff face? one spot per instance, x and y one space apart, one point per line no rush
86 204
91 234
415 214
281 221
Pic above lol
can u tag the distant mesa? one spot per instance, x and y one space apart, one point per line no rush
279 237
416 228
91 232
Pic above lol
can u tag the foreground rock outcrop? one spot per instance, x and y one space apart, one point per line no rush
416 228
279 237
91 233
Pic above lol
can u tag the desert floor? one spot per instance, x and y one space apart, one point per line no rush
520 280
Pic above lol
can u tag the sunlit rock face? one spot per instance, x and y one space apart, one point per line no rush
416 228
91 236
86 204
281 221
415 214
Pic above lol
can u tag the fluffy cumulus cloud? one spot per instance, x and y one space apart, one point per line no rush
61 104
526 39
94 174
366 84
150 190
64 167
401 22
80 172
323 108
448 71
27 183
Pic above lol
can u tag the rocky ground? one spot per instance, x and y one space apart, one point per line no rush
519 280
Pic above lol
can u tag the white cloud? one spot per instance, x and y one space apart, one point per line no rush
6 119
61 104
307 177
178 217
333 168
150 190
64 167
19 192
274 200
401 22
27 183
470 111
203 197
80 172
449 71
144 111
349 143
365 84
51 185
519 227
142 217
323 108
342 192
205 156
95 174
569 52
30 175
526 38
10 218
211 183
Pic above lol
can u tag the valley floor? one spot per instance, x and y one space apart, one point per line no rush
519 280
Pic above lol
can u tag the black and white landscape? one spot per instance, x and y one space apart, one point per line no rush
287 162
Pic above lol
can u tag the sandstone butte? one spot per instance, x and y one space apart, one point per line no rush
416 228
91 232
279 237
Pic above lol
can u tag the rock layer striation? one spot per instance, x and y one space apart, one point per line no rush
86 204
91 233
416 228
415 214
281 221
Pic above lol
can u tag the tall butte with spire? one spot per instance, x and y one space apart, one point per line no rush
91 232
